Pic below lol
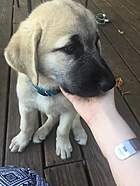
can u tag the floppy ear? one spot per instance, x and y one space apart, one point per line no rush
21 52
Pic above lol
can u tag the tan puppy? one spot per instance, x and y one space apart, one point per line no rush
57 45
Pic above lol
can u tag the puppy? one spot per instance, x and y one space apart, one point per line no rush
57 45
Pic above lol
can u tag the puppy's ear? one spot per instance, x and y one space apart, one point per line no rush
21 52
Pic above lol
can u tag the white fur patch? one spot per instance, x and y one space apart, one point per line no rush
62 41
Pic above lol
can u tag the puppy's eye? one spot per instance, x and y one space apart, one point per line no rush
69 49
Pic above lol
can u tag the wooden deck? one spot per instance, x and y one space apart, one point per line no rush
122 52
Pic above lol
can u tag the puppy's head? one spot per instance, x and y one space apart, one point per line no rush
60 41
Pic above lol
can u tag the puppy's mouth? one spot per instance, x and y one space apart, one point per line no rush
82 92
89 80
88 92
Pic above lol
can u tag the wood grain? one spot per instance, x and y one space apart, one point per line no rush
130 33
130 17
131 85
135 4
32 156
5 32
121 45
67 175
35 3
20 13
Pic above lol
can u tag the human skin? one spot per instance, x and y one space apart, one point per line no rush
109 130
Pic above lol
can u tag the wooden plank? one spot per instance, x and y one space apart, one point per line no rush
126 113
120 69
130 6
130 33
128 16
5 30
51 158
29 6
35 3
67 175
32 156
135 4
4 82
20 13
121 45
5 23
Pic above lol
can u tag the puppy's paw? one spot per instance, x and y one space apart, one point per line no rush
80 135
63 148
19 142
41 134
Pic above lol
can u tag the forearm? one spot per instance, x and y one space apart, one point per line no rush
109 130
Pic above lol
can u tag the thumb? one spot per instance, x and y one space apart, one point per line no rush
70 97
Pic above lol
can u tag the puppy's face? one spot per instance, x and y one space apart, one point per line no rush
68 49
74 59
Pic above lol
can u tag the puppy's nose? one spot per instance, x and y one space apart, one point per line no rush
107 85
107 81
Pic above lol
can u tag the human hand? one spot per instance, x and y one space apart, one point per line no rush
93 106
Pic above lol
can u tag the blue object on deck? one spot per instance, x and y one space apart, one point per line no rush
13 176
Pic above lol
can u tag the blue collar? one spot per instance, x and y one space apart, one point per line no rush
45 92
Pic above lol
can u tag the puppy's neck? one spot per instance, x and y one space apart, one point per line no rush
47 83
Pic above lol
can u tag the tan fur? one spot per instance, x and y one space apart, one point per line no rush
29 48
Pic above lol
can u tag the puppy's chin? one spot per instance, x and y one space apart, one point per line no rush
85 89
82 93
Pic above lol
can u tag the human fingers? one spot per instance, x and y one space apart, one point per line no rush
70 97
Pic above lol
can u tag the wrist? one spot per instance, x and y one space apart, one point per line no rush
102 115
103 107
110 130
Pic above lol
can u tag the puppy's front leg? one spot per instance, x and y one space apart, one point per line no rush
27 127
78 131
45 129
63 145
